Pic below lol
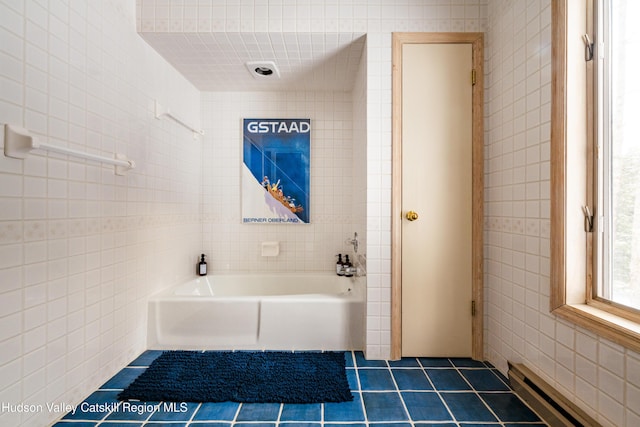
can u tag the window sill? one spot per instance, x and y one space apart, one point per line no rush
615 328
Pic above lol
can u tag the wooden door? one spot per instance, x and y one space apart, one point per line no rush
438 230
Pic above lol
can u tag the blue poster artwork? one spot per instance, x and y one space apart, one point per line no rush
275 173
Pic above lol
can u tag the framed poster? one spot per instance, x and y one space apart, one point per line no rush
275 171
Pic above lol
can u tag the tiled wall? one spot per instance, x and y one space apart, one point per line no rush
601 377
378 19
359 196
234 246
338 180
80 248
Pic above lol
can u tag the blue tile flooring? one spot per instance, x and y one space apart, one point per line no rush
412 392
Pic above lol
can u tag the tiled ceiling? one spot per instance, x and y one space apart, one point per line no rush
307 61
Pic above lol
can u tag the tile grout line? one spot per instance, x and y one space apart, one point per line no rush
496 372
235 416
151 414
188 423
477 393
512 391
438 392
424 371
364 409
404 405
435 368
277 422
104 419
479 396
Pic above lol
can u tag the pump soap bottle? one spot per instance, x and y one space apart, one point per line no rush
348 267
202 266
339 266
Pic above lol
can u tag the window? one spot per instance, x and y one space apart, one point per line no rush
618 164
595 169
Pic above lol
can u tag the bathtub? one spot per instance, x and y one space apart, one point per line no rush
260 311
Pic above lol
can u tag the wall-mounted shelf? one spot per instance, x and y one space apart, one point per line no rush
166 112
19 144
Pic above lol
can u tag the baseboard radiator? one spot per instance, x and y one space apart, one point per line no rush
553 407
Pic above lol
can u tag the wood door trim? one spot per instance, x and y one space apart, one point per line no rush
477 42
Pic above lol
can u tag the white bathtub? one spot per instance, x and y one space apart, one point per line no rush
260 311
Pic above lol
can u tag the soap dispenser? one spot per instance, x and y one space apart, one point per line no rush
202 266
348 267
339 266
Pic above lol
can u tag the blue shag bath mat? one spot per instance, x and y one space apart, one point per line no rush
250 377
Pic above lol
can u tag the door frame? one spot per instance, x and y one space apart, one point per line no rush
477 42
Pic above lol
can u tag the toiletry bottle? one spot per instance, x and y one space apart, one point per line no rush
340 266
348 267
202 266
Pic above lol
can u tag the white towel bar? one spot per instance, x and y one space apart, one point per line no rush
166 112
18 144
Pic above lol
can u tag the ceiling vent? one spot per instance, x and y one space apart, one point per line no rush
263 69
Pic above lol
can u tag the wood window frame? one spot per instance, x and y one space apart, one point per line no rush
572 262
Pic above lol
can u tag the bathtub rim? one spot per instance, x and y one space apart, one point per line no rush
358 287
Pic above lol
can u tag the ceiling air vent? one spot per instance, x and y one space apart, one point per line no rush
263 69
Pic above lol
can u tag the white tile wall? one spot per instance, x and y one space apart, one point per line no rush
338 179
600 376
359 197
233 246
81 249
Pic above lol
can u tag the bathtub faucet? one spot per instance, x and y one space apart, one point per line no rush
354 242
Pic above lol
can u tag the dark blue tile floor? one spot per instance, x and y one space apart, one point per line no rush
412 392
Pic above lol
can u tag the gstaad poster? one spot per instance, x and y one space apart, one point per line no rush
275 171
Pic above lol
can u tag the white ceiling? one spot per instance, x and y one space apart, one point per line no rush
307 61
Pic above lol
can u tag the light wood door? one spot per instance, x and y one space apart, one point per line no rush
437 185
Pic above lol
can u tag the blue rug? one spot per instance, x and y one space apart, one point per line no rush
250 377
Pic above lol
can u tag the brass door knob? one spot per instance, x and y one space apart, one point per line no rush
412 216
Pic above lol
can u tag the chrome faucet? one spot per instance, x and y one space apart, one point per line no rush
353 242
359 260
